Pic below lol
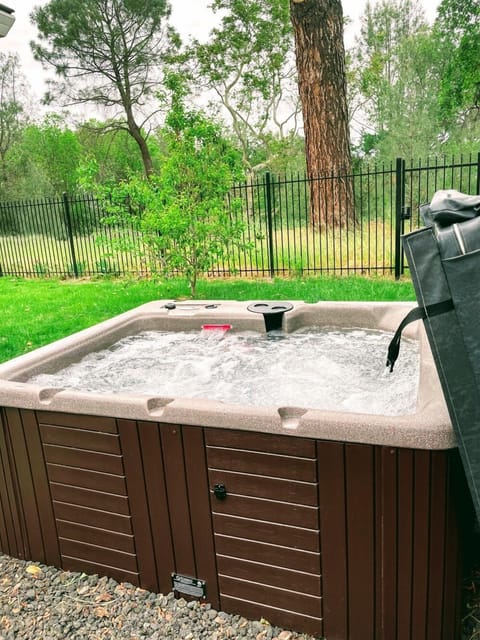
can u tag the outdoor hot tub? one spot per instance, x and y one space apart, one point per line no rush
339 523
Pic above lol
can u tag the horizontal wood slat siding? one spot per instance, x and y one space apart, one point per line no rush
78 439
252 441
303 493
272 554
88 490
279 535
269 510
262 464
87 478
94 535
272 575
282 599
95 553
70 457
255 516
90 498
340 540
78 421
92 517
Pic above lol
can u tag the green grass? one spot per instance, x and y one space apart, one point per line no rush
36 312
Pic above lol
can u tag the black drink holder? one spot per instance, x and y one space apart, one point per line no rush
444 259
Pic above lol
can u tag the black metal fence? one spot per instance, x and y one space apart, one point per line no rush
68 237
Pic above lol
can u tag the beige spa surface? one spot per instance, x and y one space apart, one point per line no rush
428 427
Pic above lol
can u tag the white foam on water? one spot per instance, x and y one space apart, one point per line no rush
339 370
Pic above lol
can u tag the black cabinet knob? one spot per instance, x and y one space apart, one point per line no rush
220 491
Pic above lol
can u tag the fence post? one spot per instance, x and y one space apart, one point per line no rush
68 224
478 174
268 185
399 207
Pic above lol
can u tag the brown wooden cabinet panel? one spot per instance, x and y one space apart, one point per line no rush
271 533
282 617
87 478
286 557
78 421
256 441
101 555
284 490
269 510
267 574
71 457
342 540
96 536
92 517
298 602
90 498
90 440
263 464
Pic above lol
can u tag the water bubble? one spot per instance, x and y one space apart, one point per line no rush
313 368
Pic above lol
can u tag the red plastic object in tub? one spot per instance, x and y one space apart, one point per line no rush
221 327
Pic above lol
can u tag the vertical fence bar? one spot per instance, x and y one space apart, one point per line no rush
268 188
42 236
399 204
68 224
478 173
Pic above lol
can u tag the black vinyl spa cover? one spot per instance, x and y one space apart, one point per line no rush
444 259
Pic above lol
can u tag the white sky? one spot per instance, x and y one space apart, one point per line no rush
190 17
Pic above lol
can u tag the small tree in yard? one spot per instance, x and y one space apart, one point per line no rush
181 211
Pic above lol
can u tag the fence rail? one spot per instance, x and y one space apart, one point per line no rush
67 236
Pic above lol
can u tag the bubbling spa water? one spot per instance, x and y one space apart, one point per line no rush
325 369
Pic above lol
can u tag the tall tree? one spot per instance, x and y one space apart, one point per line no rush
181 210
55 151
12 110
107 53
248 66
458 28
112 154
391 63
320 55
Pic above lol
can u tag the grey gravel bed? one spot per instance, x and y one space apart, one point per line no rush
44 603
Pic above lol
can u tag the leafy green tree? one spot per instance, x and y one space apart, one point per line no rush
247 64
411 126
458 29
12 115
181 211
381 51
106 53
51 151
113 152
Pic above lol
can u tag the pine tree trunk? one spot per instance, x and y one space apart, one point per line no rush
320 55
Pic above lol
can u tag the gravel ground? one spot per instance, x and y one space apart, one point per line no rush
40 602
44 603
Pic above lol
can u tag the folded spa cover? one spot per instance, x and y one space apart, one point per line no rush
444 259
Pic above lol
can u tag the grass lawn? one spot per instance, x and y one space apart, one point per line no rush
36 312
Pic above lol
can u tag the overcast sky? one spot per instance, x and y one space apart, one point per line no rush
191 17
